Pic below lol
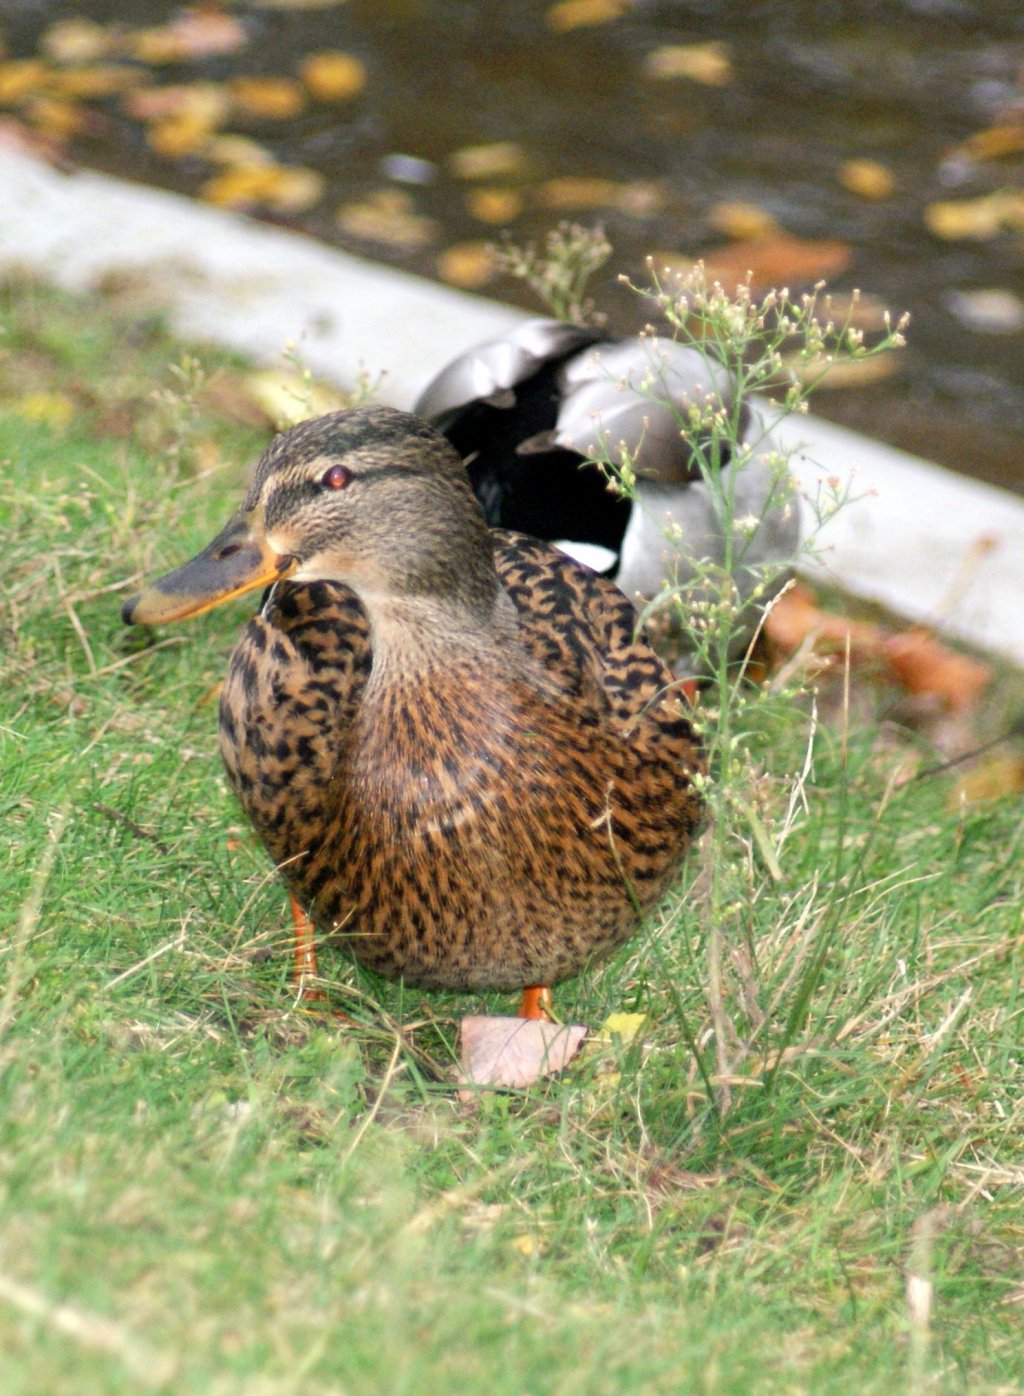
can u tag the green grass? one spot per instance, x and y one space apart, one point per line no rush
205 1189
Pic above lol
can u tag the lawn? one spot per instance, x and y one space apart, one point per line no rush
802 1174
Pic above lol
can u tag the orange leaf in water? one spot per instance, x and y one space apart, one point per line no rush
515 1051
205 101
494 205
993 143
20 78
78 41
203 32
387 216
867 178
746 221
777 261
274 99
976 219
333 77
467 264
285 189
487 161
579 14
704 63
100 80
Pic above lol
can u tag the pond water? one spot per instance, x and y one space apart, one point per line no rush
769 117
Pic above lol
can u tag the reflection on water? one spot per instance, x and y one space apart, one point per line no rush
599 132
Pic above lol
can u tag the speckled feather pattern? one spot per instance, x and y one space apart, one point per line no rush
496 819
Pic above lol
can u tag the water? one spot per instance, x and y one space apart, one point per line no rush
813 85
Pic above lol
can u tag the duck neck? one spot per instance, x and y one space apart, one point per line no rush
412 635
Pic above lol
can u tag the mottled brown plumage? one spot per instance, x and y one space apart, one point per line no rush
466 769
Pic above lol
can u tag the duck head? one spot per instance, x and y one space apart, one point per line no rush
373 498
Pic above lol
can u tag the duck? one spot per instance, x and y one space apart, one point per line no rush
470 771
528 411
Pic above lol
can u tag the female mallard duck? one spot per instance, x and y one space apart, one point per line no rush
527 410
465 767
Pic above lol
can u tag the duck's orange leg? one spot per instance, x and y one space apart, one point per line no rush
536 1002
304 948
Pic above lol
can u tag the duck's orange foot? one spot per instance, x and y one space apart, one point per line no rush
304 969
536 1002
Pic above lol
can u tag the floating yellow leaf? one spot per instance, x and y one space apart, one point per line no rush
274 99
78 41
492 205
285 189
333 76
55 409
56 118
202 101
578 192
467 264
771 261
21 78
487 161
745 221
387 216
976 219
176 136
103 80
229 149
867 178
195 33
994 143
579 14
842 370
705 63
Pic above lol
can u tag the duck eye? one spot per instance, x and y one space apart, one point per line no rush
336 478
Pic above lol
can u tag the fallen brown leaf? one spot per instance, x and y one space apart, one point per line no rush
515 1052
924 665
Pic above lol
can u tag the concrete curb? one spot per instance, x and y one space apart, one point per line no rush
929 544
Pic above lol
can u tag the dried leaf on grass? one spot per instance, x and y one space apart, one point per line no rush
915 659
515 1052
995 779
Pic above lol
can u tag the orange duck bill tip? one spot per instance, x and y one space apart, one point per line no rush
238 560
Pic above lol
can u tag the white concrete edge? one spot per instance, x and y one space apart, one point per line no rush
929 544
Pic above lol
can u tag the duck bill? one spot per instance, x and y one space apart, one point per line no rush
238 560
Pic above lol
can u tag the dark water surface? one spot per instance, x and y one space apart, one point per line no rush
812 85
